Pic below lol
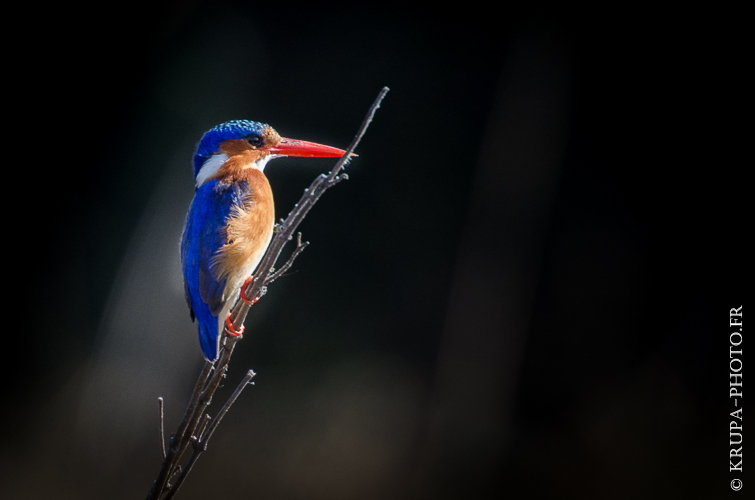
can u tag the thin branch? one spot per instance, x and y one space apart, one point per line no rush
200 431
160 405
200 441
194 412
211 429
206 397
175 449
299 249
360 133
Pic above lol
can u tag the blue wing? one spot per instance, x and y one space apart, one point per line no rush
203 236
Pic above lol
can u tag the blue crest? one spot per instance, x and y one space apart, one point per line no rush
234 129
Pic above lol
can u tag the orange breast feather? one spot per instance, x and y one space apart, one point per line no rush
248 233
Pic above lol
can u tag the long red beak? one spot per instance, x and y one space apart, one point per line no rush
295 147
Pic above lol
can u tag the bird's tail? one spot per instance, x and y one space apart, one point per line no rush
208 337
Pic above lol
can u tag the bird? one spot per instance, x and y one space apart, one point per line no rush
231 219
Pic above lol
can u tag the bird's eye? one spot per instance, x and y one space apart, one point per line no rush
255 140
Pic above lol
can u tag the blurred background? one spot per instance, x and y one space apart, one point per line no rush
522 290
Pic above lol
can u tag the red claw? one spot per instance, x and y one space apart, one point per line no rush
243 292
230 330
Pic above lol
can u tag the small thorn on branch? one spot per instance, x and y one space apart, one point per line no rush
337 179
202 427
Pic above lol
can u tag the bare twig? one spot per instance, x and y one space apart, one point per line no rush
189 431
176 442
162 427
199 442
360 133
211 429
200 431
299 249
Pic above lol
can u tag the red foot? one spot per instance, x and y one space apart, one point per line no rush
243 292
230 330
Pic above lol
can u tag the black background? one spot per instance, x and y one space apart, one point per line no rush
523 289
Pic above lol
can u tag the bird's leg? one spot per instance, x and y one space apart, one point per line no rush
233 332
243 292
230 330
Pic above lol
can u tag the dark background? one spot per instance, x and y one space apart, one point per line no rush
522 290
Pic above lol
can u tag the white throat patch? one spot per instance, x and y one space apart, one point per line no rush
260 164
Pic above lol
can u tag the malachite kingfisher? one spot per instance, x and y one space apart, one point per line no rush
230 222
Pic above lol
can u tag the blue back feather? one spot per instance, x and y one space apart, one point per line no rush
203 236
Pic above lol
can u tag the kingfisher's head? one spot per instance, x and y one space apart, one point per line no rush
236 136
255 133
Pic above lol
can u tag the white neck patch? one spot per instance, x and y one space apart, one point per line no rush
211 166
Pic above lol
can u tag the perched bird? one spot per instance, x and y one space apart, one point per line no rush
230 222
